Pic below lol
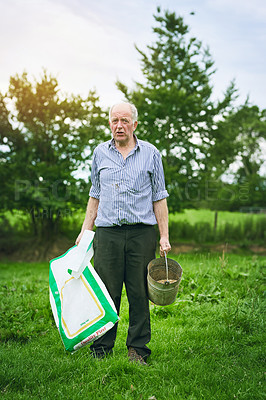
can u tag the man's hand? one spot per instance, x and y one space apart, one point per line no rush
79 237
164 246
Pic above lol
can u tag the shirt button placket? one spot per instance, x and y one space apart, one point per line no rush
120 211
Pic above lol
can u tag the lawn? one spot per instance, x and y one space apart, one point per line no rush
189 226
198 226
208 345
223 217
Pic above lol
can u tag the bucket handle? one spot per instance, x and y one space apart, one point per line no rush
166 266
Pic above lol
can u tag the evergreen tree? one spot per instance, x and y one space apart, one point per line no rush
176 109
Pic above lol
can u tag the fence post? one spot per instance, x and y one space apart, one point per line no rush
215 221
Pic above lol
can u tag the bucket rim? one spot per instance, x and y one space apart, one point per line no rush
161 259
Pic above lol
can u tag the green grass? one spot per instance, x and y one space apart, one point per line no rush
203 215
207 345
232 227
190 226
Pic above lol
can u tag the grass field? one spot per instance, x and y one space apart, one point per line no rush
190 226
203 215
208 345
198 226
74 220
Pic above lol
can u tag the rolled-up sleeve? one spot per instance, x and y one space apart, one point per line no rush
159 191
95 178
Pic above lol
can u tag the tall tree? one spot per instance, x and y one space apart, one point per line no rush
177 112
243 143
46 136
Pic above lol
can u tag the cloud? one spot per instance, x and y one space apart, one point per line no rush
90 44
82 50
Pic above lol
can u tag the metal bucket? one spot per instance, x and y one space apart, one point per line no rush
167 270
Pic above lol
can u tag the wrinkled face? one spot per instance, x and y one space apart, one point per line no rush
121 124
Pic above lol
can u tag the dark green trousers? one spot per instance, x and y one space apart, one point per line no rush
121 255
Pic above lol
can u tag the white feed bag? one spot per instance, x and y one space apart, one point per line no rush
82 307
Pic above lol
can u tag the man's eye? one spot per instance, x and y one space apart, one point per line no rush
125 120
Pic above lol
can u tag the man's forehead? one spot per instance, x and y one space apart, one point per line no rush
120 110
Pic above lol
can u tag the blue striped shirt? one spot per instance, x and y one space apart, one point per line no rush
126 189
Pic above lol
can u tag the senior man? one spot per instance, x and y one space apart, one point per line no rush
127 198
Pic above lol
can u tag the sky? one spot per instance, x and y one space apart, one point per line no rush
89 44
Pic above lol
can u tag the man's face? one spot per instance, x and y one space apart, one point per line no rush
121 124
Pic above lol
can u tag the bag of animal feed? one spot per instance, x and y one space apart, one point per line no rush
82 307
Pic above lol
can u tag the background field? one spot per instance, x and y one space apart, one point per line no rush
209 344
204 215
191 230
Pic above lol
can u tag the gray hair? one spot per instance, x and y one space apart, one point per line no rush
133 108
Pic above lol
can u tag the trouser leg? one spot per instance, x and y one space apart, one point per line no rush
122 255
140 250
109 264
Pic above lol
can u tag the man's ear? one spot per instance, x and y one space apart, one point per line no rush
135 125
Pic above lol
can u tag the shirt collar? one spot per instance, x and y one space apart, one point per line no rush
112 143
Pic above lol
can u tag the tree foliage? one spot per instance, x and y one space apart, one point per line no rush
177 110
46 136
243 142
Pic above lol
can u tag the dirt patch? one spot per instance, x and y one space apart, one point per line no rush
184 248
38 251
258 250
217 248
